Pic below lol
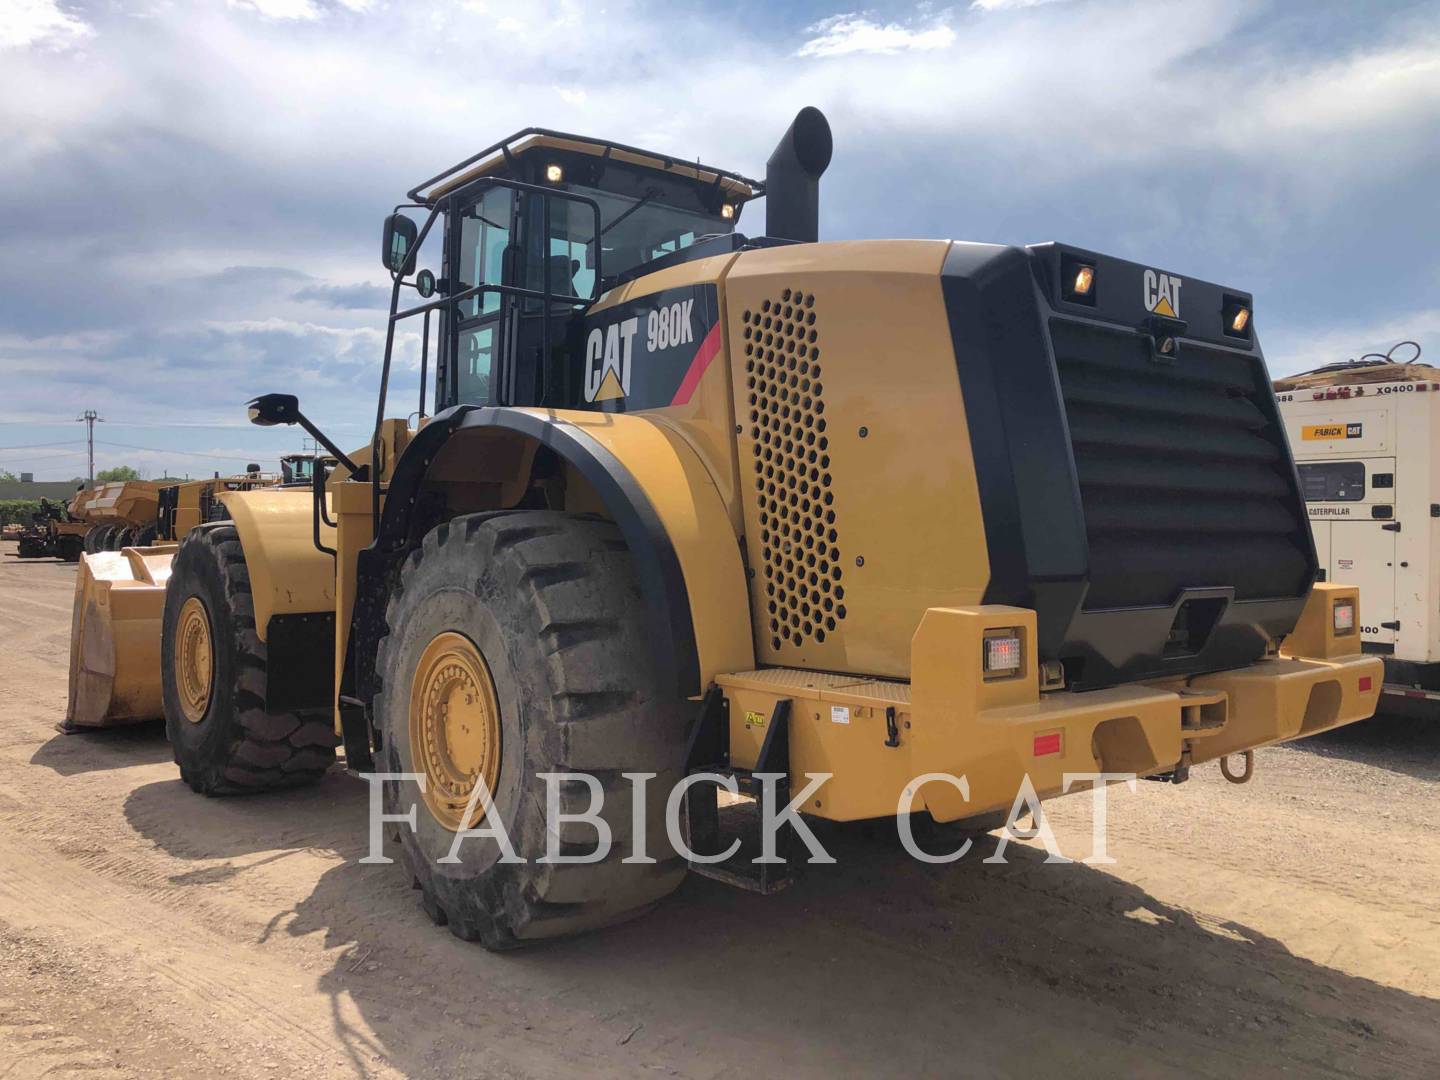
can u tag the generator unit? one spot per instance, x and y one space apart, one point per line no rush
1366 440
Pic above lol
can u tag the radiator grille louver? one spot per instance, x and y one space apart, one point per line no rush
798 530
1183 477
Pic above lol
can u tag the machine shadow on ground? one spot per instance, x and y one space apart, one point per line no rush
1025 967
101 749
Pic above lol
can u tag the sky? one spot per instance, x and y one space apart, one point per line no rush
191 194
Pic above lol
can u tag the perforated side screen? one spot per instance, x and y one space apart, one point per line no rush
799 534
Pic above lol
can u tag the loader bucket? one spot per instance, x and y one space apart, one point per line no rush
115 637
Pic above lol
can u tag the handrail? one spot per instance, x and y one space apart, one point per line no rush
546 296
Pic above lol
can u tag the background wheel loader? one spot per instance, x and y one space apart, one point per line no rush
694 502
53 533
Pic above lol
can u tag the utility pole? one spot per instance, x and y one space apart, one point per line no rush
89 417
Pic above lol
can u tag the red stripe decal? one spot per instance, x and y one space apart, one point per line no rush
703 355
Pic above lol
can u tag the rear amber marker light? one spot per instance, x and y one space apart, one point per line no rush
1077 281
1236 317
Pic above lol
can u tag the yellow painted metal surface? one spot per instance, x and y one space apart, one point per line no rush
692 511
115 636
194 660
288 575
352 511
132 502
1290 698
950 720
707 419
861 508
1314 634
454 728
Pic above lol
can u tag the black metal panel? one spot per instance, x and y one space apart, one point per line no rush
1184 478
1034 529
300 662
1145 506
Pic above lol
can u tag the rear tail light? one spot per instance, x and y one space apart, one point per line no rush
1343 616
1003 655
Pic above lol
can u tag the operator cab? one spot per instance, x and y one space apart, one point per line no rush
535 229
297 470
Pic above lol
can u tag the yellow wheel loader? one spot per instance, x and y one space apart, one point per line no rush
182 507
755 510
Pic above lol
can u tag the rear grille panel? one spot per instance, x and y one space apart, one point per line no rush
1184 477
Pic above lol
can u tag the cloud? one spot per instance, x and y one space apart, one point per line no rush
365 297
841 35
1010 5
43 23
190 213
304 10
1304 348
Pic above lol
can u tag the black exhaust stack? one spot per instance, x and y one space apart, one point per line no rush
792 178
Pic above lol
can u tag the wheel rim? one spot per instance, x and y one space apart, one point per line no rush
194 660
454 728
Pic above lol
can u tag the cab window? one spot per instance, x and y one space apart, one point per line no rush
485 228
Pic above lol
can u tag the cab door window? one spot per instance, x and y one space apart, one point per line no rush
485 235
483 249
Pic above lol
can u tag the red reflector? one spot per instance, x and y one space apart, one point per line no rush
1365 683
1047 744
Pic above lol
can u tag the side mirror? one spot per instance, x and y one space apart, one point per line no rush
270 410
397 241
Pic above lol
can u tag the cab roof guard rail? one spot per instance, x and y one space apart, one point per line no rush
503 147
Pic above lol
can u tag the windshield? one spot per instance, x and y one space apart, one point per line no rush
297 469
634 230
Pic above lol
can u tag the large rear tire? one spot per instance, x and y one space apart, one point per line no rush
213 671
535 615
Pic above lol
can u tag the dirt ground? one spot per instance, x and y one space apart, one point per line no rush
1286 927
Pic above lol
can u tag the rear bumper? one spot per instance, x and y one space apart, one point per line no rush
1147 729
950 722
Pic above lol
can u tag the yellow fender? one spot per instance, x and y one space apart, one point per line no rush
288 574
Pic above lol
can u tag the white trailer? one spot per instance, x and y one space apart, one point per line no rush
1368 454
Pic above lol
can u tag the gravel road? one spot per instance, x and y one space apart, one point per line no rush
1287 927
